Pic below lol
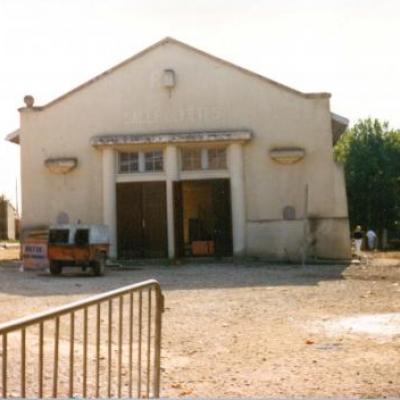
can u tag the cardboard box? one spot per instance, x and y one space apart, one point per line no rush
202 248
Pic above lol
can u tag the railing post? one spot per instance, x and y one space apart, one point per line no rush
55 371
139 361
148 342
23 362
157 342
71 355
4 367
110 309
85 342
130 341
41 329
98 320
120 325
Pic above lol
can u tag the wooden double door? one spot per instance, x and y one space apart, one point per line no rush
142 220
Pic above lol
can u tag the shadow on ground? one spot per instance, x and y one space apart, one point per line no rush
194 276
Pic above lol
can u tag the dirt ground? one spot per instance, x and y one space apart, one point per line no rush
253 329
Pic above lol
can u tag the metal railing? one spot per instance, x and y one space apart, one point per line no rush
108 345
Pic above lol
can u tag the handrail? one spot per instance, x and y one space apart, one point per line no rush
141 340
75 306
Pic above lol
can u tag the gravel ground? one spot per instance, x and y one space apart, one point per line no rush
253 329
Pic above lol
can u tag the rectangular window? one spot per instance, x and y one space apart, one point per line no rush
128 163
153 161
191 159
59 236
217 158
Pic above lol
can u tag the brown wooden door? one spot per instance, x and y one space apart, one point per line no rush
154 222
141 220
129 220
222 217
178 220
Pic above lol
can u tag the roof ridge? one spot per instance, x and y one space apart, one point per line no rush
247 71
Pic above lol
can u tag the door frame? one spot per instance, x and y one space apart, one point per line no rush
179 218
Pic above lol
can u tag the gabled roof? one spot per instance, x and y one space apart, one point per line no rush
186 46
14 136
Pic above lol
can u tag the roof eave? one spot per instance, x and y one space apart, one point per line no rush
13 137
339 125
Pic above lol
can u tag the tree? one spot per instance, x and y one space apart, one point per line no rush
370 152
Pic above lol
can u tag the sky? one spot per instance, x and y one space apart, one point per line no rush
349 48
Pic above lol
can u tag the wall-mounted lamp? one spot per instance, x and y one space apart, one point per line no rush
169 80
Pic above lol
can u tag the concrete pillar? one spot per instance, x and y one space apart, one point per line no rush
237 198
109 198
171 172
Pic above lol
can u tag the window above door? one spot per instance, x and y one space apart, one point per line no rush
191 159
128 163
196 158
153 161
140 161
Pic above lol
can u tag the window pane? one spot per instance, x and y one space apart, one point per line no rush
216 158
153 161
128 163
191 159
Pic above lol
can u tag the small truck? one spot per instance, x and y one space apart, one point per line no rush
81 245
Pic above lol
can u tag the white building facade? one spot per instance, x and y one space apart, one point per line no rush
183 154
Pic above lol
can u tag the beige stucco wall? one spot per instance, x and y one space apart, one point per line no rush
209 95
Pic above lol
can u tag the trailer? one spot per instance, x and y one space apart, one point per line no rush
81 245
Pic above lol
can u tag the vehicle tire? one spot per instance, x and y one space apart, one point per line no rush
55 267
99 266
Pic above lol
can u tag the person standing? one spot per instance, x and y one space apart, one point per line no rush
358 236
371 238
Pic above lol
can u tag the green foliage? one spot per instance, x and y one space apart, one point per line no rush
370 152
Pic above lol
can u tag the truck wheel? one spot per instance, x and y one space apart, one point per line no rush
55 268
99 266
